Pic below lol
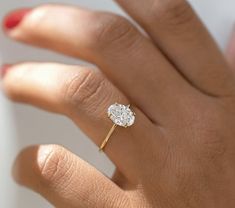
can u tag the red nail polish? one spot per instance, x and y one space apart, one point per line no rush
14 18
4 69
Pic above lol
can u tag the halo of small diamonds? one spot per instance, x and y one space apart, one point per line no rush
121 115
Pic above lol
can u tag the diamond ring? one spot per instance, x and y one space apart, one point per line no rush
120 115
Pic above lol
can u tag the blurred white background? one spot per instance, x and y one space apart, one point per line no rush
23 125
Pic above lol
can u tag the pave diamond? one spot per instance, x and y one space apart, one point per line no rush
121 115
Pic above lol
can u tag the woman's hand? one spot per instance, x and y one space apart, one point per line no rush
180 152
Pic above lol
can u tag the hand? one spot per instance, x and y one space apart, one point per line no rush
180 152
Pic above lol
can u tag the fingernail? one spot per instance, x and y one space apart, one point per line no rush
13 19
4 69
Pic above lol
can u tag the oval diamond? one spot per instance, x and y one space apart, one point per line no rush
121 115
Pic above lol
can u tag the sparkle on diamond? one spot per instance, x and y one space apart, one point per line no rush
121 115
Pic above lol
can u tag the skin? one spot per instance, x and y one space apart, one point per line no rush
181 150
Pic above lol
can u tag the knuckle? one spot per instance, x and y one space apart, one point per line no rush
109 29
208 127
84 89
212 141
173 13
54 165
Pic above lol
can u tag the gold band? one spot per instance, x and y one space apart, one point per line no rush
102 146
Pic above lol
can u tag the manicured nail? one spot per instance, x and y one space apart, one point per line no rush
13 19
4 69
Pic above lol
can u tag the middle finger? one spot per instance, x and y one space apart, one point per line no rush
129 59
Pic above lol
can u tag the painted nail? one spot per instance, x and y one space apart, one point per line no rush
4 69
13 19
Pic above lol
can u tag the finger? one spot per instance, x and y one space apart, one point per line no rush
230 51
178 32
119 179
84 95
66 180
129 60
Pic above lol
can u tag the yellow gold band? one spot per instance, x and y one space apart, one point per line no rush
102 146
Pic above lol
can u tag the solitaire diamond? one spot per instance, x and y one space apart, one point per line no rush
121 115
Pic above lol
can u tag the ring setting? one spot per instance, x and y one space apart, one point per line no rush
121 115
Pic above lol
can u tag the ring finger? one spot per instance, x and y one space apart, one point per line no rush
84 95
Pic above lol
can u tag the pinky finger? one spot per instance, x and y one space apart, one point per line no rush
65 180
